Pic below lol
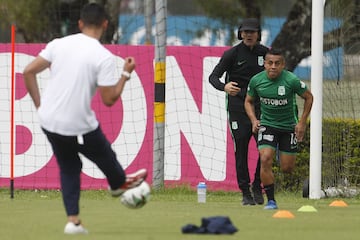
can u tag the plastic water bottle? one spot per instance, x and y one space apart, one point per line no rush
201 192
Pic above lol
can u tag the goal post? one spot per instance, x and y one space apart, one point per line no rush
317 23
159 104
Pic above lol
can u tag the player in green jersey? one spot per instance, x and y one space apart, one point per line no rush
279 126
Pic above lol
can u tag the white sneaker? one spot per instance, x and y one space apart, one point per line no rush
71 228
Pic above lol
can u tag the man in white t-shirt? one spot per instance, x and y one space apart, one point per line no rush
80 65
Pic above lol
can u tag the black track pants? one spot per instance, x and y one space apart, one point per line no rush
241 130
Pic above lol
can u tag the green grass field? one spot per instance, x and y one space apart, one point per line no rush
40 215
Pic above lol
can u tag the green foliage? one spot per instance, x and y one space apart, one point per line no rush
235 11
40 20
340 157
28 15
215 9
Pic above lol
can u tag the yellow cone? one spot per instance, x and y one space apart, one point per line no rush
283 214
307 208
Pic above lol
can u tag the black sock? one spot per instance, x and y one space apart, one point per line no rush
270 192
256 184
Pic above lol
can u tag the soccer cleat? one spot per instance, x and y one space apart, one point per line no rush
271 205
72 228
132 180
248 200
258 195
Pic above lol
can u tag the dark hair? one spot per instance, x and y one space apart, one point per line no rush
274 51
93 14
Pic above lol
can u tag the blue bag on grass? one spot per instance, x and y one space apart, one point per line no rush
211 225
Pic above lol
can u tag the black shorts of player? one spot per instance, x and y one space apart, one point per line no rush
283 140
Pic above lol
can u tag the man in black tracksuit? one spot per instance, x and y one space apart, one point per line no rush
240 63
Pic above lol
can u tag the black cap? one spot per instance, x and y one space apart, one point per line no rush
250 24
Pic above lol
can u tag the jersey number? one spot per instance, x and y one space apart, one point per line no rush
293 139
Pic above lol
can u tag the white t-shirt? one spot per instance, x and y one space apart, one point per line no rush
79 64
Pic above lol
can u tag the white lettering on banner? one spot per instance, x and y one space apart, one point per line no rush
39 154
205 132
126 145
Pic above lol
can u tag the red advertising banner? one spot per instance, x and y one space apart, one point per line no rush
198 145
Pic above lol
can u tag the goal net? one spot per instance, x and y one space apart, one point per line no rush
197 142
341 98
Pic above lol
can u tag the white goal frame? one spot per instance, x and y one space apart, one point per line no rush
317 35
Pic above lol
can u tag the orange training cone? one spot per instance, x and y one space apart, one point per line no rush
338 203
283 214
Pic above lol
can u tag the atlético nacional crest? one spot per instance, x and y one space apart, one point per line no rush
260 60
281 90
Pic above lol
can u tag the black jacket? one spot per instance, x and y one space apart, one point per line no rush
240 63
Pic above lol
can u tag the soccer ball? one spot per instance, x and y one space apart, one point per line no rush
136 197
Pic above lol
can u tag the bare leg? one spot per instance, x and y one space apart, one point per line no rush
266 158
287 162
266 173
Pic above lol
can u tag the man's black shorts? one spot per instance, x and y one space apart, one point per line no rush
284 140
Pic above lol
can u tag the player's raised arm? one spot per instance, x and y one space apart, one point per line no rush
110 94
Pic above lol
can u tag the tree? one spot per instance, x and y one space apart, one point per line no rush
294 38
43 20
295 35
22 14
